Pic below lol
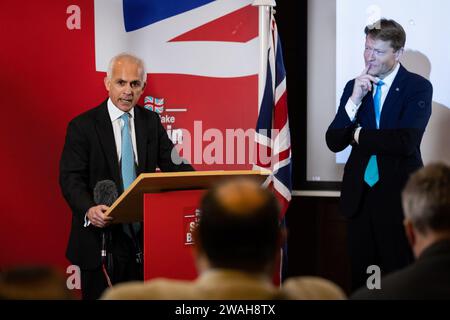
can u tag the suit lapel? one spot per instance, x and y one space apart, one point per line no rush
390 106
141 138
106 136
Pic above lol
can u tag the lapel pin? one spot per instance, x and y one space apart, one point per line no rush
397 89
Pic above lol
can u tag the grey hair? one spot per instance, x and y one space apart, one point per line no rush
128 56
426 198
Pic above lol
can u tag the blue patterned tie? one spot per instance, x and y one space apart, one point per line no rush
371 174
127 163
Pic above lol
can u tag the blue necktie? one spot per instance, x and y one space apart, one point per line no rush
127 163
371 174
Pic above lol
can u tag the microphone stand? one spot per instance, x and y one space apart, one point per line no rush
106 255
138 251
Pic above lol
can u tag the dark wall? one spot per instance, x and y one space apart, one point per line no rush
292 23
317 240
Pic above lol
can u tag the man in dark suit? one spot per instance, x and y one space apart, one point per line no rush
383 114
426 202
114 141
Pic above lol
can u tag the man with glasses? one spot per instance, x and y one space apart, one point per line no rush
383 114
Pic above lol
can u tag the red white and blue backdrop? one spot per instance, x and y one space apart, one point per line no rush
202 59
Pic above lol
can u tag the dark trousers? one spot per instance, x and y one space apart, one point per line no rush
376 237
125 267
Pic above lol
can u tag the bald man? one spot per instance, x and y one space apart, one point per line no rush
117 141
237 243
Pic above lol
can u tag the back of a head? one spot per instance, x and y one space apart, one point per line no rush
239 226
426 198
33 283
387 30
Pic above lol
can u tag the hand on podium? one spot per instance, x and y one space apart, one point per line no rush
97 217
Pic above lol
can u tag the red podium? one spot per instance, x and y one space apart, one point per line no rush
168 204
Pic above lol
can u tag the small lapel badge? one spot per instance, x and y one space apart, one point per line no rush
397 89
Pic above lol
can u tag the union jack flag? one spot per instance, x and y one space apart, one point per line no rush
154 104
273 140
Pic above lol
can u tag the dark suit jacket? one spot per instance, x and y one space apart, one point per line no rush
396 144
427 278
90 155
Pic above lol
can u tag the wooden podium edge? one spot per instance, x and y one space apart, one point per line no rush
218 173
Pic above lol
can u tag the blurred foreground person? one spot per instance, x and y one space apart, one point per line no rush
34 283
426 202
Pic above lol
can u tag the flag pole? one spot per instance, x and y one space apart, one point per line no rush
265 7
265 14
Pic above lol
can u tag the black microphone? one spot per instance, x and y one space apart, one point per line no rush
105 192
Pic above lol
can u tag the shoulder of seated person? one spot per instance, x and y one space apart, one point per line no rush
311 288
148 290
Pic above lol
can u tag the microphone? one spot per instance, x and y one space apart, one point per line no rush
105 192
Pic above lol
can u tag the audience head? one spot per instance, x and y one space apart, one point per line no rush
426 204
239 227
33 283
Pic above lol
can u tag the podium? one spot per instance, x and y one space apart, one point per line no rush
168 205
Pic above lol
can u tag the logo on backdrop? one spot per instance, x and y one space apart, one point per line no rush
154 104
168 117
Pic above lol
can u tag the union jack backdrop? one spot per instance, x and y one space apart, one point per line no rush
273 140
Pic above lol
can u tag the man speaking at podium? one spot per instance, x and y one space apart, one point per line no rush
113 141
